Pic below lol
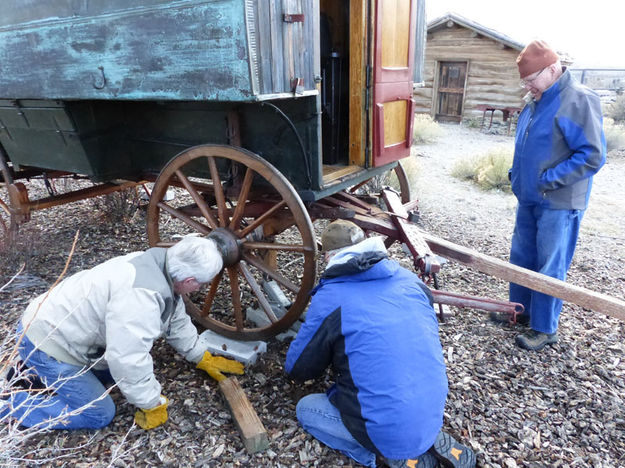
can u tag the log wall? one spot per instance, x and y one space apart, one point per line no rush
492 72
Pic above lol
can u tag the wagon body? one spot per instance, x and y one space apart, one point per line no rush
116 89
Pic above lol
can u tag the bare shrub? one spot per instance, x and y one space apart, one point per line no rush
389 179
16 442
616 110
18 247
465 169
119 207
614 134
472 122
489 171
425 130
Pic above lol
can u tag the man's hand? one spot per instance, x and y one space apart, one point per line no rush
154 417
215 365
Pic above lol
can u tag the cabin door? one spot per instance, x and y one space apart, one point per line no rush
393 109
451 83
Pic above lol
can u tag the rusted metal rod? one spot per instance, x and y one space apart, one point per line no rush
474 302
82 194
530 279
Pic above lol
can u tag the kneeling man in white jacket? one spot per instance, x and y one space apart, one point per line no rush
106 319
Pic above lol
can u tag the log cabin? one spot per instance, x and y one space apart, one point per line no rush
468 68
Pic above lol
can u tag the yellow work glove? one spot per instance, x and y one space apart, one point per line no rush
154 417
215 365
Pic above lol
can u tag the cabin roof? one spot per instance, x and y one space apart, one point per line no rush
442 21
478 28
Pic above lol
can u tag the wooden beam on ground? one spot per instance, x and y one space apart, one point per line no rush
530 279
248 423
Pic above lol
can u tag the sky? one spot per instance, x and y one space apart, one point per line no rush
592 32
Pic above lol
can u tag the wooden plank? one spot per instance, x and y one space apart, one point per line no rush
395 122
357 81
277 71
395 33
251 429
264 50
530 279
331 173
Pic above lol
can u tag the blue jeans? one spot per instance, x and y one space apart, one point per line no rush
73 388
322 420
543 241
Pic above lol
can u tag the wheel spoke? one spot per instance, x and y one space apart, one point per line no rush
262 266
219 191
273 219
199 201
261 219
236 297
187 219
258 292
276 246
245 190
212 292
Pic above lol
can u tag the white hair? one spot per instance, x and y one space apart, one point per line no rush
194 257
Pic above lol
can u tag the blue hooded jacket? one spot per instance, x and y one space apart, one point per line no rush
559 146
373 321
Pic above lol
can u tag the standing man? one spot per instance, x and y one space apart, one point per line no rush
100 324
559 146
373 322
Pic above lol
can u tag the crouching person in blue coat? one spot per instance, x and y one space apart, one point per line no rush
373 321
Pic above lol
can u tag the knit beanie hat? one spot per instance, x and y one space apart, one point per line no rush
536 56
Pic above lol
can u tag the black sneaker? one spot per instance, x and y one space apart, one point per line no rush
426 460
535 340
505 317
450 453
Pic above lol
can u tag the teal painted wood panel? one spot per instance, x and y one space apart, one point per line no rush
184 50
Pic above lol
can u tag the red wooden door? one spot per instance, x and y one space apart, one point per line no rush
451 79
393 109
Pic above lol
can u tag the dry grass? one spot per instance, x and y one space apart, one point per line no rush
616 110
425 130
614 134
489 171
118 207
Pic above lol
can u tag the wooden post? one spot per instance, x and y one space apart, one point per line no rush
248 423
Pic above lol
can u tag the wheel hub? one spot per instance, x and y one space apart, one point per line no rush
228 244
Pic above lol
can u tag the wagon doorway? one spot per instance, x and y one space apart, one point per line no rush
450 92
367 62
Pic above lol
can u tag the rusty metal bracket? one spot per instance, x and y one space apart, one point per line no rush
423 257
293 18
475 302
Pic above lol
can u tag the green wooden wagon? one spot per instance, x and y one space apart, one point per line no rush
254 114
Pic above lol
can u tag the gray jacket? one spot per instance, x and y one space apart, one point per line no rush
110 316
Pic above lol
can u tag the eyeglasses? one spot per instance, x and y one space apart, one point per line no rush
524 83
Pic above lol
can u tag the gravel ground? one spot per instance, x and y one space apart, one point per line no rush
562 406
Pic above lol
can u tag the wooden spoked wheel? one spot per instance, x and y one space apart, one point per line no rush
404 184
259 222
